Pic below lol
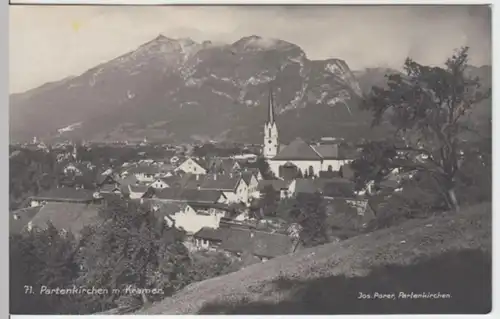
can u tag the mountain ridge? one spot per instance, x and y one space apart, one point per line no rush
181 90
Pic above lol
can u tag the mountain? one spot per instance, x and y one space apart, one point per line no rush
181 90
178 90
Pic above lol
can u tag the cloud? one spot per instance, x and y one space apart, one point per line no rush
45 45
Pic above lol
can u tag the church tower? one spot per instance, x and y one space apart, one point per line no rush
74 154
270 131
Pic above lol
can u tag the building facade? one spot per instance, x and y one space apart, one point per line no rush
306 159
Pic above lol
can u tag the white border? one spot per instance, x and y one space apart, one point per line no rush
4 135
252 2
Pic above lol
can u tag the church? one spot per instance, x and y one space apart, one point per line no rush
309 159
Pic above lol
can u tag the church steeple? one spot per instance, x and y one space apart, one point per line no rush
270 130
270 115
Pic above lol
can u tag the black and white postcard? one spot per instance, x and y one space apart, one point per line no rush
251 159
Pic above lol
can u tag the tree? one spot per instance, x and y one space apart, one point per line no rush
41 257
133 248
308 211
269 200
475 184
209 264
264 168
428 108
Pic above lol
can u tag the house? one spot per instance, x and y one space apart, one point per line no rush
252 184
255 171
196 216
160 183
19 219
108 186
65 194
302 186
204 196
224 166
253 167
193 166
240 241
67 217
335 187
233 187
137 191
164 210
208 238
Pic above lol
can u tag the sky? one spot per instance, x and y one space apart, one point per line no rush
49 43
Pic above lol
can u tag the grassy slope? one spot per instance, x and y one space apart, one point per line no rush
335 273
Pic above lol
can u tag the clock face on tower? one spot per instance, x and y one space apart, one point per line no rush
269 141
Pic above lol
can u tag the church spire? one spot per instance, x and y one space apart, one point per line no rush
270 130
270 118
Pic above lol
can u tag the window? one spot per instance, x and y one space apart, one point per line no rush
311 171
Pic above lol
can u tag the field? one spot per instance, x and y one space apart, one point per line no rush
448 254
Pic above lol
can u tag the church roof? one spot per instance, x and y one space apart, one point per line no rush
327 151
298 150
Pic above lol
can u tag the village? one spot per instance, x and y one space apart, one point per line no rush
220 202
243 160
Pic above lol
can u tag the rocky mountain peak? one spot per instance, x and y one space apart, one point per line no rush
258 43
177 88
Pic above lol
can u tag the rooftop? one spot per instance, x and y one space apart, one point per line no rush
66 193
188 195
68 216
258 243
297 150
20 218
276 184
